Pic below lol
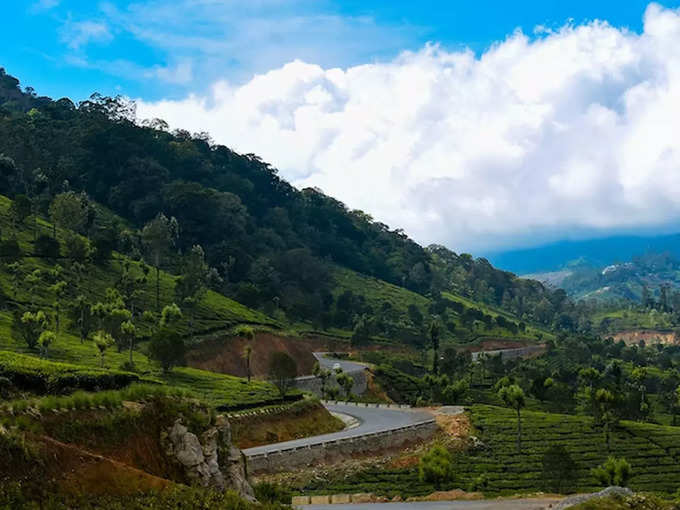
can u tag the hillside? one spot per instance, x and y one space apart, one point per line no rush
273 247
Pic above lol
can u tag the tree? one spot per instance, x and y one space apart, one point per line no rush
615 471
513 396
605 412
158 236
346 382
129 334
29 326
249 334
435 331
453 393
59 290
559 470
80 314
323 375
436 466
102 340
167 346
20 210
192 285
69 211
282 371
46 339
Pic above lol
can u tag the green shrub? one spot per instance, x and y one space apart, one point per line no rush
436 466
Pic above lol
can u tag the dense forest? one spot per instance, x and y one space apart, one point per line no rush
273 246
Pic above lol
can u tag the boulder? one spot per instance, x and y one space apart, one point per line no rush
211 461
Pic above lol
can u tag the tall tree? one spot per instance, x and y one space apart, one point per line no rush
282 371
159 236
435 332
192 284
513 396
69 211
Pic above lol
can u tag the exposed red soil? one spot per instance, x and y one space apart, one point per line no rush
81 471
650 336
225 354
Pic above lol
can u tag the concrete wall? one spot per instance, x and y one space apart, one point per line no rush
340 449
313 384
507 354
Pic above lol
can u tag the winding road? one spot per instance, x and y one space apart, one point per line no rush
371 419
347 366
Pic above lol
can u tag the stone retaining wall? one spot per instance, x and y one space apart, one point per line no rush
340 449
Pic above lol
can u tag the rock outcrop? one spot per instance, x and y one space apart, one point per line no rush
212 460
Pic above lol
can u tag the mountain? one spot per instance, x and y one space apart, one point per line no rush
594 252
275 248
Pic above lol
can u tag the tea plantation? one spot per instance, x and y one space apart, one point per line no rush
495 468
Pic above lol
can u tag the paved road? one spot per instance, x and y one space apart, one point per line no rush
488 504
347 366
371 420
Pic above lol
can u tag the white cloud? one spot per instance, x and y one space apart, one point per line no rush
77 34
44 5
574 130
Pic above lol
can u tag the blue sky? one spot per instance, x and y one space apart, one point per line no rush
165 49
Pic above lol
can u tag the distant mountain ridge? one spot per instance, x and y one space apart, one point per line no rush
595 252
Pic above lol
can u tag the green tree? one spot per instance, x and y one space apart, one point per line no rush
248 334
167 345
59 291
29 326
605 413
20 210
615 471
102 340
323 375
435 332
513 396
436 466
80 314
69 211
282 371
159 236
454 393
129 334
192 284
46 339
346 382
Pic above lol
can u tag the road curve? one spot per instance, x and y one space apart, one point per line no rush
482 504
347 366
372 419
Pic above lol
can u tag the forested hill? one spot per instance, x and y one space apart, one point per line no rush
269 241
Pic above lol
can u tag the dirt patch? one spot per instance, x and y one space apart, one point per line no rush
458 426
649 336
456 494
225 354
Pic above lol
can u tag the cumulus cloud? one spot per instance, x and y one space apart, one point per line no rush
574 129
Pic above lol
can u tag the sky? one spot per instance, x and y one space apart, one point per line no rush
482 125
